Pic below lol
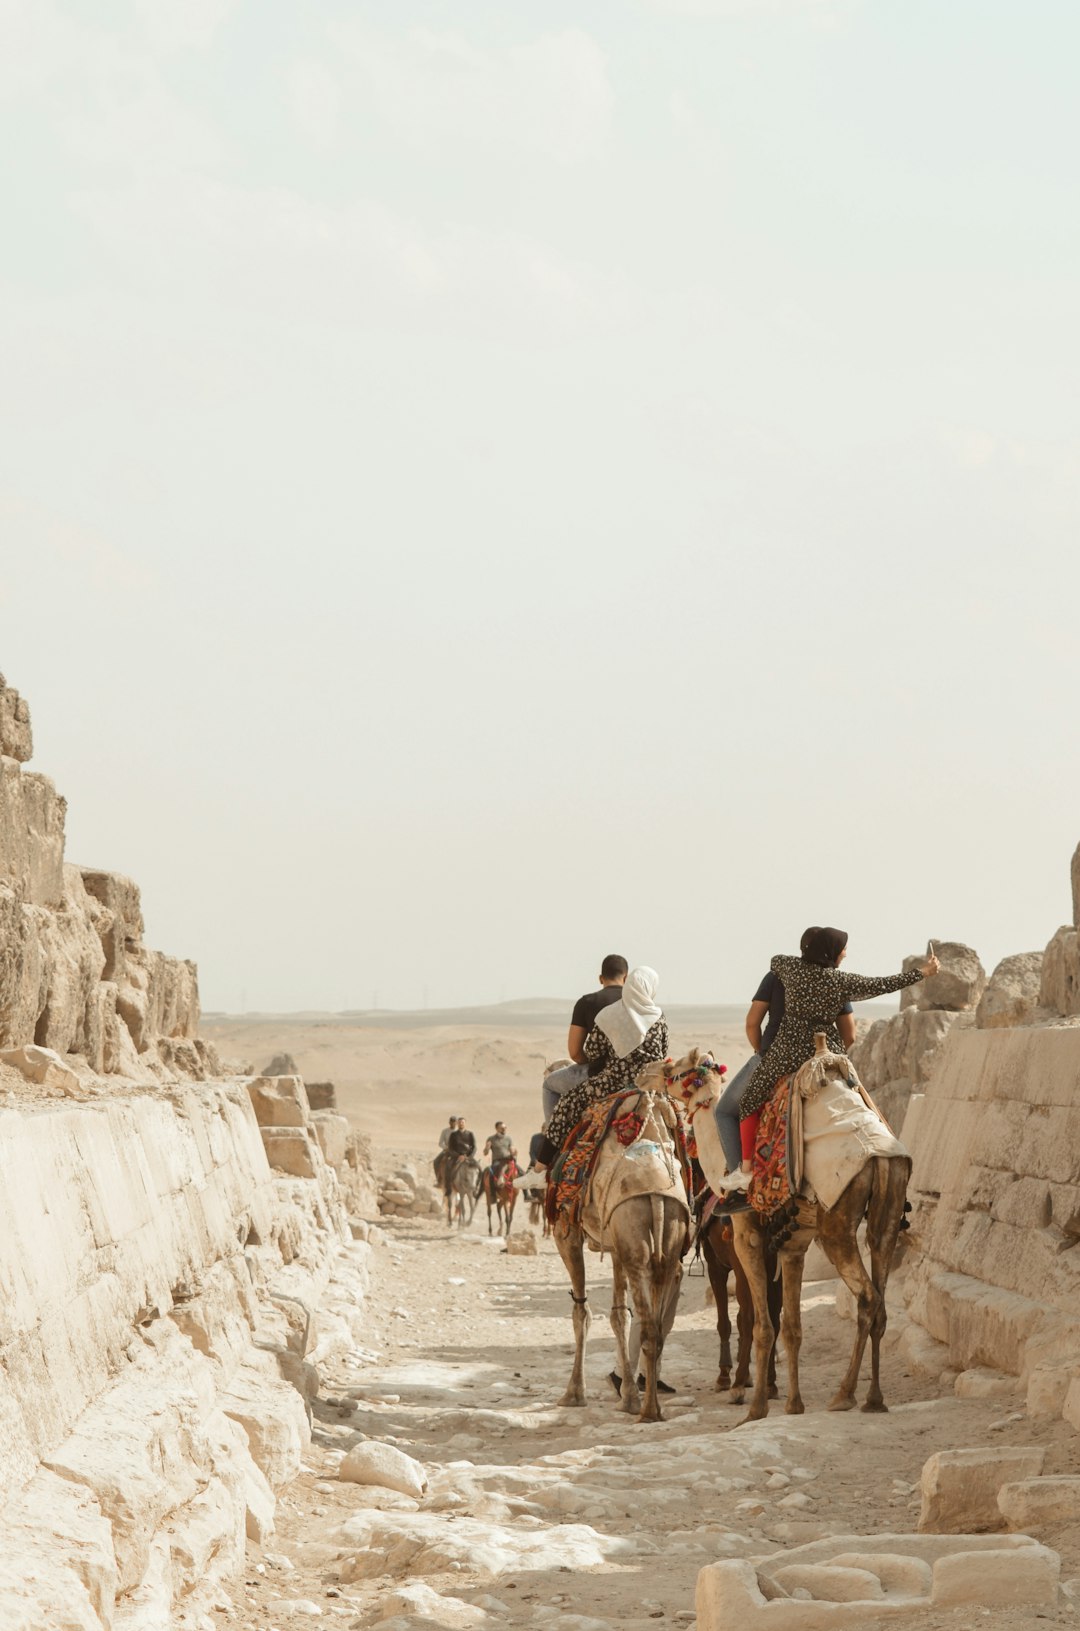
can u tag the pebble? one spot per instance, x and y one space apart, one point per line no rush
296 1605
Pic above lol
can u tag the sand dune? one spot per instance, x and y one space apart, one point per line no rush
398 1076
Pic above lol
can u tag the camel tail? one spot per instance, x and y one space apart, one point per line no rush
657 1229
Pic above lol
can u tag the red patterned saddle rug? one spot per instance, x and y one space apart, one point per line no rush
772 1187
566 1195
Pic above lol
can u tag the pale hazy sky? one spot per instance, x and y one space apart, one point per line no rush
486 485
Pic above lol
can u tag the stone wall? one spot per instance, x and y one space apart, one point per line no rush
175 1259
993 1273
166 1299
74 972
895 1056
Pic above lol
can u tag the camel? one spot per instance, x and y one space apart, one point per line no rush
462 1190
500 1194
876 1192
722 1261
635 1207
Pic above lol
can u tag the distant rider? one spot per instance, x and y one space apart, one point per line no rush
444 1139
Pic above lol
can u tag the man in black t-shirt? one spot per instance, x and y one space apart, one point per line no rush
613 972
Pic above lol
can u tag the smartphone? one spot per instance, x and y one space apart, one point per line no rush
930 948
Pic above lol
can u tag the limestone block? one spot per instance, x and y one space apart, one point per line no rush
382 1464
74 961
273 1416
522 1244
23 968
1059 988
321 1095
1047 1390
291 1150
1033 1503
16 737
959 984
31 835
981 1383
960 1487
53 1527
332 1132
116 911
41 1065
827 1582
1027 1577
1012 992
279 1101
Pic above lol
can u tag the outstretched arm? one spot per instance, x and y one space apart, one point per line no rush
859 987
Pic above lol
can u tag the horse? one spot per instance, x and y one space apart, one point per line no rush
462 1189
876 1192
634 1207
500 1194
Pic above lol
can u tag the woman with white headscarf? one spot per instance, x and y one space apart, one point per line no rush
627 1036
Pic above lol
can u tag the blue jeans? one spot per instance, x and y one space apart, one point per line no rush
560 1082
726 1113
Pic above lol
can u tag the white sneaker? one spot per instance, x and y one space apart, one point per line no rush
737 1180
536 1179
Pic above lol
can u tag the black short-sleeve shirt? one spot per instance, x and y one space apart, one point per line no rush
771 990
586 1009
462 1141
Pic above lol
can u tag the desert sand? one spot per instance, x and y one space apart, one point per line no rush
399 1076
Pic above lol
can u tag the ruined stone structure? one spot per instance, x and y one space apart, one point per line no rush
994 1277
175 1253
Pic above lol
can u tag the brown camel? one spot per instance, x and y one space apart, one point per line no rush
876 1193
721 1262
635 1208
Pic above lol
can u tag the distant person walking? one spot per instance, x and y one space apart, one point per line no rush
628 1035
815 992
613 972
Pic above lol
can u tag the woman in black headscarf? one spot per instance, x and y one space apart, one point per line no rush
815 991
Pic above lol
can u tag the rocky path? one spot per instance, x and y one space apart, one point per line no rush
582 1519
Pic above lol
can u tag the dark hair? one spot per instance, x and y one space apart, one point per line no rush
822 946
613 968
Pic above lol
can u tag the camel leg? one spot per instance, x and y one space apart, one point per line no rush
744 1319
718 1271
837 1233
791 1268
882 1232
572 1251
620 1325
750 1246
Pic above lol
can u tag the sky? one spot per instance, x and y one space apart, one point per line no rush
486 486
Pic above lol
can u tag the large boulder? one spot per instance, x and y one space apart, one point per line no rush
1059 988
959 983
960 1487
1012 992
32 815
282 1064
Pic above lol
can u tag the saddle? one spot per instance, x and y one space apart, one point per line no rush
572 1174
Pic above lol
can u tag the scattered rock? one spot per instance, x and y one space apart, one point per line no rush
1032 1503
1012 992
960 1487
383 1465
523 1244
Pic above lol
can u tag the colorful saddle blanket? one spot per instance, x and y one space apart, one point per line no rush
572 1171
775 1184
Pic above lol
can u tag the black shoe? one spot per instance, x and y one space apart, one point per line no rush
661 1387
616 1381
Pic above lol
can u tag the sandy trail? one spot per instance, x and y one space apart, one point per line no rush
584 1519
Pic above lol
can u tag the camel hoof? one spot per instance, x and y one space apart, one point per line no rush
738 1396
843 1401
774 1391
755 1415
658 1415
795 1407
571 1399
876 1407
723 1383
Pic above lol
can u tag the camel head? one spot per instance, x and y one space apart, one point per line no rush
823 1067
695 1080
